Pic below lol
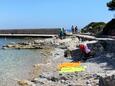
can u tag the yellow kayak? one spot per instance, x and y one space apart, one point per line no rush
68 64
72 69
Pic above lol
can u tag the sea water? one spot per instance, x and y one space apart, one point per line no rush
17 64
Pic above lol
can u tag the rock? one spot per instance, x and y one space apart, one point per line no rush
41 76
109 28
93 28
62 46
39 80
67 53
9 46
88 82
109 55
63 78
54 79
25 83
95 76
21 46
63 81
24 43
38 41
107 81
37 47
4 47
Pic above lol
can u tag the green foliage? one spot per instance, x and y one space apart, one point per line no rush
93 28
111 5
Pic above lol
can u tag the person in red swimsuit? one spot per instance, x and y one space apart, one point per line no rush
85 51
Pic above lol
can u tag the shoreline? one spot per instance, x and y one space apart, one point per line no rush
47 74
51 76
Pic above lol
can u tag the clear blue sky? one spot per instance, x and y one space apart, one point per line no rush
52 13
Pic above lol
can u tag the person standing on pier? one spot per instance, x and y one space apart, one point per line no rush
64 33
76 30
72 29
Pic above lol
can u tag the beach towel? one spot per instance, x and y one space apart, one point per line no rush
69 64
72 69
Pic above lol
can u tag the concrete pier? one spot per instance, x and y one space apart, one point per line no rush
27 35
44 32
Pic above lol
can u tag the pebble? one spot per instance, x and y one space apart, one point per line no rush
54 79
63 78
39 80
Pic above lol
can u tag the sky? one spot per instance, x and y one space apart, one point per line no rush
20 14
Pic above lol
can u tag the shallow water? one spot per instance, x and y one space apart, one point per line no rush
16 63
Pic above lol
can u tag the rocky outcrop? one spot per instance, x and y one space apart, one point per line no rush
23 46
108 45
36 44
109 29
93 28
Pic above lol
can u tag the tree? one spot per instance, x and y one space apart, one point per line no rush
111 5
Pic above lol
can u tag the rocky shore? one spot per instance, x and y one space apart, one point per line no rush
47 73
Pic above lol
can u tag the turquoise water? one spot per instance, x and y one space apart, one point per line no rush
16 63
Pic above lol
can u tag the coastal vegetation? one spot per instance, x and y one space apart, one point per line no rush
109 29
96 28
111 5
93 28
